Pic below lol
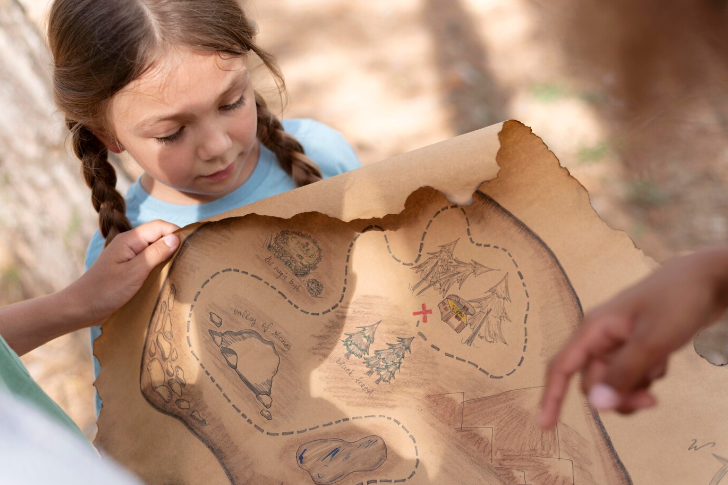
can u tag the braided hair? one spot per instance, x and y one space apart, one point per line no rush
286 148
100 176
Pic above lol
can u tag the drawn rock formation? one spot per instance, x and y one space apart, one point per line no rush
314 287
166 379
253 358
298 251
331 460
215 319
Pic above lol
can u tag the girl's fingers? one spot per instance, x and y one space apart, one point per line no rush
571 359
658 372
624 381
139 238
636 401
603 397
156 253
592 374
600 334
633 366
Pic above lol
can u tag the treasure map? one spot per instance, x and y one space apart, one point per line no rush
393 325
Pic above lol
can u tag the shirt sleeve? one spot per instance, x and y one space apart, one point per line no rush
92 254
324 145
94 249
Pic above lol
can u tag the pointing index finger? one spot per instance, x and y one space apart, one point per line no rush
570 360
594 338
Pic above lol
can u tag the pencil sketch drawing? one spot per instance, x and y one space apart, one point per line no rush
331 460
407 349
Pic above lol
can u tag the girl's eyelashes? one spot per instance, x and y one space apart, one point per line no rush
237 104
228 107
170 138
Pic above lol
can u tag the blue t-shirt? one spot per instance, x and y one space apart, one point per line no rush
324 145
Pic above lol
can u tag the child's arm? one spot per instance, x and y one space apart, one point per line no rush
623 345
108 284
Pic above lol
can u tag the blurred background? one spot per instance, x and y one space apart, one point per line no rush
631 96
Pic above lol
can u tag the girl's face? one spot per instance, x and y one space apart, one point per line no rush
190 123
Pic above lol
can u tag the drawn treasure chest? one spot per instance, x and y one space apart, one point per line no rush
455 312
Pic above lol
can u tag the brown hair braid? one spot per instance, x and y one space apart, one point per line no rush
100 176
286 148
100 46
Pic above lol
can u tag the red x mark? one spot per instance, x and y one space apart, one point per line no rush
424 313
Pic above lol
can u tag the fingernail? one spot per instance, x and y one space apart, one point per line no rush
603 398
171 240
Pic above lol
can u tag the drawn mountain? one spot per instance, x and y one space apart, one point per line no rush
253 358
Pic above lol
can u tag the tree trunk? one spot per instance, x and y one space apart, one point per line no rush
471 339
46 217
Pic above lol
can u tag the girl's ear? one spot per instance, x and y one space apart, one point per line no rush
111 144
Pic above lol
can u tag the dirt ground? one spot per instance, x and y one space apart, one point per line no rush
631 96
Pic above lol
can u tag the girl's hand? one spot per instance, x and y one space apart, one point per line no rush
121 269
108 284
623 345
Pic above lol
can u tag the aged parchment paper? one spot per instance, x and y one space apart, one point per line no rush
370 329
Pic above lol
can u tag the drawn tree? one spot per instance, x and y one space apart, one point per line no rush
358 343
437 264
491 309
442 270
386 362
459 272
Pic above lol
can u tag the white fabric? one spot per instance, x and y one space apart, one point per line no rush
35 450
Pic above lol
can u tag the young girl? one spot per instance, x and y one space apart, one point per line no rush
170 83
